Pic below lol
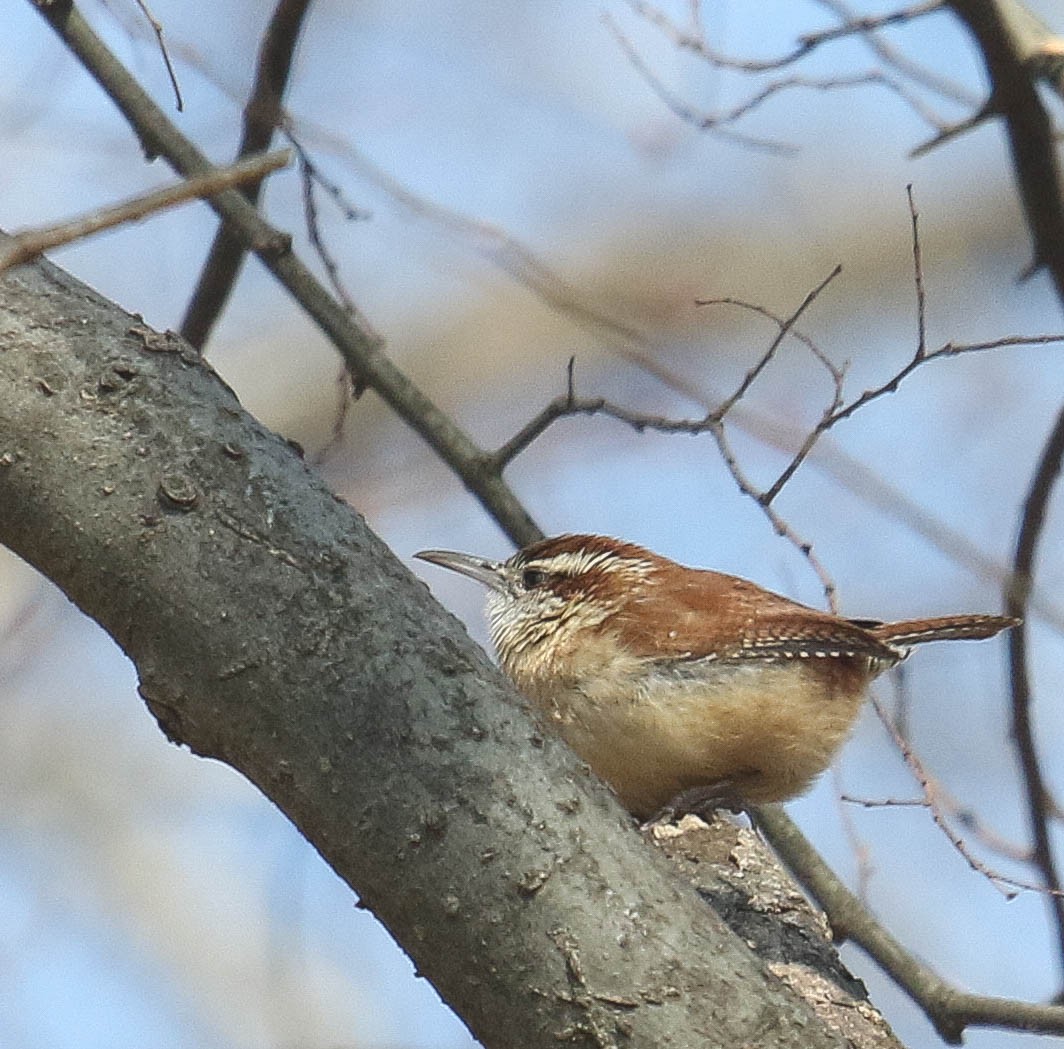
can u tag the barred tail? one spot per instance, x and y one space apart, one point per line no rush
943 628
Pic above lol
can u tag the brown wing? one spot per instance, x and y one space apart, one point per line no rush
710 614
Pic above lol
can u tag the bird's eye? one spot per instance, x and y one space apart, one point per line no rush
533 577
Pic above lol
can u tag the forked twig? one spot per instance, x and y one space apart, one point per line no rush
932 793
785 326
694 41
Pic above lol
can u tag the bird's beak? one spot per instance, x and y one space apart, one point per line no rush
479 568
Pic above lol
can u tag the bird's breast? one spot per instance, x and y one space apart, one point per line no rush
652 729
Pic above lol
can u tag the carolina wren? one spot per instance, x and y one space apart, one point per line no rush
671 681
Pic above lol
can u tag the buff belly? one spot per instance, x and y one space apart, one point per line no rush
760 731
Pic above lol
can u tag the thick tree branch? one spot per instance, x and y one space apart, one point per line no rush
273 631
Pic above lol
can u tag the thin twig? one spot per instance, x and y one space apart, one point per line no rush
948 349
868 78
885 803
786 325
867 24
964 816
797 333
497 245
695 41
704 122
918 278
838 411
862 854
311 177
806 446
157 29
948 132
349 386
570 405
1004 883
30 243
779 523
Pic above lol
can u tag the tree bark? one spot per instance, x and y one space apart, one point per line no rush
272 630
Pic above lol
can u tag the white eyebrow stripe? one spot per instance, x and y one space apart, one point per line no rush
574 563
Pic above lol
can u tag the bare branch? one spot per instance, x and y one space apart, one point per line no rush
779 523
569 405
262 115
695 41
837 411
349 386
30 243
885 803
865 25
1010 39
951 1010
786 325
797 333
712 422
1017 599
918 278
947 132
862 854
500 247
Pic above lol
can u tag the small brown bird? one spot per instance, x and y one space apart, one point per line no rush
682 687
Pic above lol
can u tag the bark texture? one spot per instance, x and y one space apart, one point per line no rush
273 631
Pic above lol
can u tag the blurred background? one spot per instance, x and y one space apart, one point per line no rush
529 198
